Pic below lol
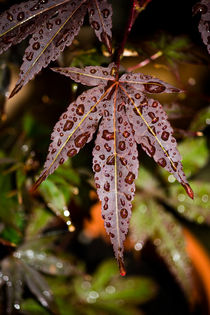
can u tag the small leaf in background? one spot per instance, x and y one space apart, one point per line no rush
203 8
202 119
106 289
150 221
195 153
55 200
38 219
198 210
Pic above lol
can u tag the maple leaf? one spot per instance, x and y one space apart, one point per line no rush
126 117
150 221
203 7
54 24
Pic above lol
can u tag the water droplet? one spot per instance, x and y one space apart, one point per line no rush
81 140
181 197
108 135
72 152
61 161
181 208
36 46
171 179
93 71
137 95
17 306
107 147
105 73
126 134
110 289
66 213
49 26
120 120
95 25
29 55
111 235
205 198
176 256
162 162
9 17
68 125
105 13
123 161
106 207
97 168
58 21
106 113
128 197
154 87
200 8
130 178
138 246
20 16
110 160
122 145
108 224
80 109
97 147
59 142
107 186
155 104
124 213
165 135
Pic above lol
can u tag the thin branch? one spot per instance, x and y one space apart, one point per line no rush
119 50
146 61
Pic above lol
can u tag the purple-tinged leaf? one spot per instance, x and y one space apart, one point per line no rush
50 39
147 84
203 7
74 129
21 20
100 16
154 133
91 75
115 165
129 117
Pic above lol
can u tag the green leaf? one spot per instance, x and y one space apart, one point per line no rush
201 120
197 210
195 154
149 221
38 219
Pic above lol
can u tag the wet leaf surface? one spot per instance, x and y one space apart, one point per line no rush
125 116
54 25
203 8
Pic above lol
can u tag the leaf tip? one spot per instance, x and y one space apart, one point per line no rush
39 181
15 90
189 190
121 267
